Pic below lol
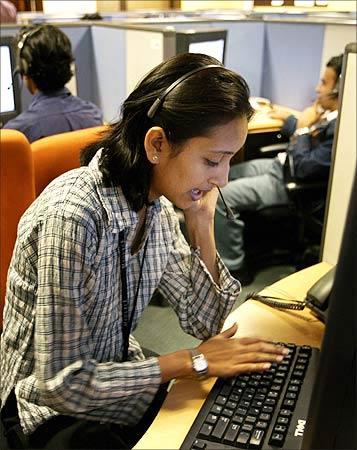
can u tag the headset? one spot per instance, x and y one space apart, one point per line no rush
336 90
158 102
20 46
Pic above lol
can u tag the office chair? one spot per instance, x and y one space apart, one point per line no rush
56 154
286 234
17 192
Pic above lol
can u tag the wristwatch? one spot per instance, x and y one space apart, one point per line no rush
199 363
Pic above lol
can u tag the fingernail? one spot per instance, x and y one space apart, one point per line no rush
286 351
267 366
279 358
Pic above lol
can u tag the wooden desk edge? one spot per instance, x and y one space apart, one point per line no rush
187 396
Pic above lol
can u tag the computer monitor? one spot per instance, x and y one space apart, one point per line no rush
208 42
332 415
10 91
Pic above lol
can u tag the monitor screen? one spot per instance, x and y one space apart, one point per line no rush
209 42
9 95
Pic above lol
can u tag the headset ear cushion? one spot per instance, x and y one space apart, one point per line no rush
336 89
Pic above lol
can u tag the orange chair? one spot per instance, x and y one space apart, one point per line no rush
54 155
17 192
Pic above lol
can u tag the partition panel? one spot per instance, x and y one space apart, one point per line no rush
292 61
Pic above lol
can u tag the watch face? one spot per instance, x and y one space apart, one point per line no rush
200 364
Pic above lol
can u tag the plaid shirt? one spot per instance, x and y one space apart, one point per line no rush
61 346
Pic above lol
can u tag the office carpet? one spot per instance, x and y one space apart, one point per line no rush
159 329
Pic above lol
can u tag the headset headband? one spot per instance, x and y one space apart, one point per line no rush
25 36
154 107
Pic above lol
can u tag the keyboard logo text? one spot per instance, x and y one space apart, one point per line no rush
300 427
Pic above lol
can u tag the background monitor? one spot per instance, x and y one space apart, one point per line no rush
10 104
208 42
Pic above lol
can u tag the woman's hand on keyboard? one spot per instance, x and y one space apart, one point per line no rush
228 356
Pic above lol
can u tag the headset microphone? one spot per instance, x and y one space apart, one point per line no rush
229 212
15 73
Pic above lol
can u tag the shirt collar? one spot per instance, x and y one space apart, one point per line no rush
120 214
63 92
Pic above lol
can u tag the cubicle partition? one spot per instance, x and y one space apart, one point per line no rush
281 59
344 161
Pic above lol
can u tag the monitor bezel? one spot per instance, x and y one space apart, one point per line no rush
9 41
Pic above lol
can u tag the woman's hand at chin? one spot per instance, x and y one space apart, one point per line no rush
204 208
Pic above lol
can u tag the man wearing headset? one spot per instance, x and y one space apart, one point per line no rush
259 183
44 61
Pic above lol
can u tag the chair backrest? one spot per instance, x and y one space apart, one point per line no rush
17 192
54 155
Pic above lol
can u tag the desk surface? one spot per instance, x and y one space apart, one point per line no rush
187 396
261 122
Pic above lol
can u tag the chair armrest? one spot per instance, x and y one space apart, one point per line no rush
295 186
274 148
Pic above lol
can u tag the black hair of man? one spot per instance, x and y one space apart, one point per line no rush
207 99
336 64
45 55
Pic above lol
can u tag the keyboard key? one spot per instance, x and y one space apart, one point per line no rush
216 409
226 390
256 439
220 428
288 404
247 427
253 411
257 404
231 434
234 397
227 412
261 424
243 438
285 413
250 419
231 405
277 439
279 429
198 445
206 430
220 400
282 421
238 418
212 419
266 417
267 409
293 388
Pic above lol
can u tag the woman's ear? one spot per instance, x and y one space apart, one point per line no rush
154 143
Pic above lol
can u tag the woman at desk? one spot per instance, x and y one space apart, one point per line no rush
96 244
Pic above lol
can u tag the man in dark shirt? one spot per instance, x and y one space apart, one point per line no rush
259 183
44 58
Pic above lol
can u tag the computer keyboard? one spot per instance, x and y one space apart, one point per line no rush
258 410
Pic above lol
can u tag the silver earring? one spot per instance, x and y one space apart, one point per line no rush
155 158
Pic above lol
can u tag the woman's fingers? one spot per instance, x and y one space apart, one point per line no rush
231 331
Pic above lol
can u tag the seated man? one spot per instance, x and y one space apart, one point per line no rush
44 58
259 183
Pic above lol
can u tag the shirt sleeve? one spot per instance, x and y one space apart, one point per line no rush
200 304
70 378
289 127
312 156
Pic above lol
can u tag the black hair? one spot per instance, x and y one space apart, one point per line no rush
336 64
204 100
45 55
